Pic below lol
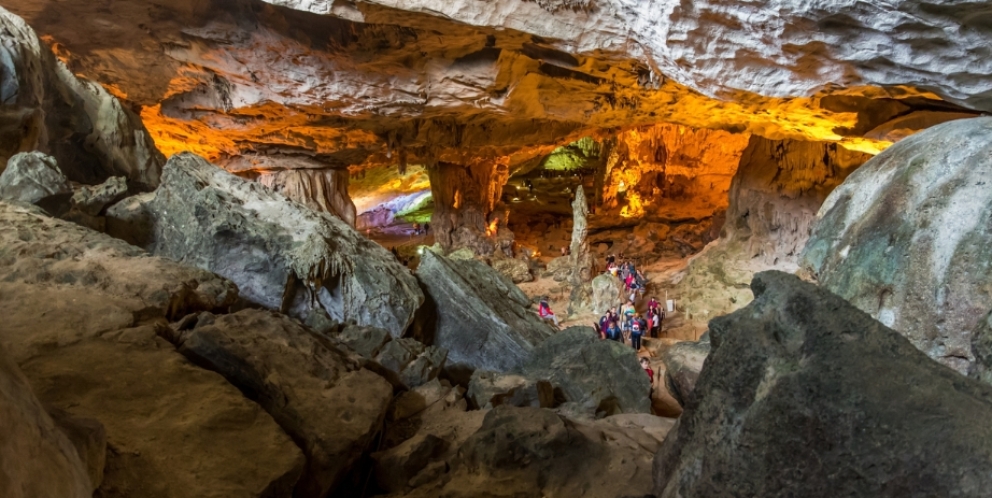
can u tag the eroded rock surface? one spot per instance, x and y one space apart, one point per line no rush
283 255
774 198
683 363
907 238
32 177
36 459
60 282
48 109
173 429
805 395
601 377
326 402
479 316
322 190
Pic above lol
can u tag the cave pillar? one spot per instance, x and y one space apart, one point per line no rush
467 213
581 259
322 190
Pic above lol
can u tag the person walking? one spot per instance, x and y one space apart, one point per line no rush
636 332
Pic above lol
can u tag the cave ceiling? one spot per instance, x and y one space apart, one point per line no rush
317 83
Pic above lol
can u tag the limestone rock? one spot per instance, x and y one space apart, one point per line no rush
173 429
321 190
130 220
89 437
418 399
480 317
60 282
92 200
981 347
683 362
516 270
773 201
491 389
907 238
603 377
331 407
415 363
32 177
805 395
283 255
36 459
366 341
535 452
47 108
607 292
465 198
398 466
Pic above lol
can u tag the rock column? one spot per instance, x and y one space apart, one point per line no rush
580 260
322 190
465 199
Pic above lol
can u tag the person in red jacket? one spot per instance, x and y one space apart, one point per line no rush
646 365
544 310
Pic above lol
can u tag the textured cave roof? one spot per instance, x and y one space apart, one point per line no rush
319 83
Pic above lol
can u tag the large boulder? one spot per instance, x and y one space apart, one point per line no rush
805 395
907 238
172 429
36 459
325 401
45 107
283 255
531 452
491 389
479 316
683 363
601 377
32 177
60 282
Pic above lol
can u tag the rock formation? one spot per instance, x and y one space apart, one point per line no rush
683 363
46 108
32 177
774 198
480 317
321 190
805 395
580 256
529 452
97 283
465 198
36 458
282 255
607 292
330 406
598 377
172 429
491 389
907 238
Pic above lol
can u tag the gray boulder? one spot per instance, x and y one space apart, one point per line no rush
491 389
516 270
281 254
907 238
683 362
479 316
326 402
805 395
602 377
32 177
415 363
36 459
91 200
607 292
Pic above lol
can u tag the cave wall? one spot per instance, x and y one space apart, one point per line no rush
47 108
465 199
670 162
777 191
773 201
322 190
